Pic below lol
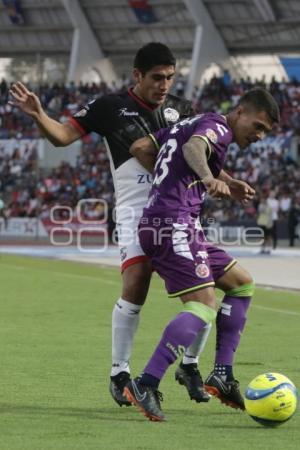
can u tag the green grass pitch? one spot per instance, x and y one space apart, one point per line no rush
55 361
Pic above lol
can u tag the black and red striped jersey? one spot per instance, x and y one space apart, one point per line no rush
122 118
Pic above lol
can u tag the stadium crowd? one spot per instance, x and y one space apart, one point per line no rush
34 191
271 167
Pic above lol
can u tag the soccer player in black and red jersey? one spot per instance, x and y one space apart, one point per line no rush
121 119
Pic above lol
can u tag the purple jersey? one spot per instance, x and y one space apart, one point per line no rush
177 191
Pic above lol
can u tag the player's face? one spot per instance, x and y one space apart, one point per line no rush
251 126
154 85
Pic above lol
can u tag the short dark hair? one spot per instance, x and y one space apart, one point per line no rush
151 55
261 100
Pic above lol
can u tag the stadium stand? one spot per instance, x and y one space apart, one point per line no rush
270 166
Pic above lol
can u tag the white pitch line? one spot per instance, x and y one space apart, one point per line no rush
11 266
64 274
280 311
159 291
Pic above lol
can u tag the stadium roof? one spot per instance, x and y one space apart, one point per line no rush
243 27
246 26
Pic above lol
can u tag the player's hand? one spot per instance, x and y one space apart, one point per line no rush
25 100
241 191
216 188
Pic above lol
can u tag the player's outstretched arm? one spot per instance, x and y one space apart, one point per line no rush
57 133
145 151
195 153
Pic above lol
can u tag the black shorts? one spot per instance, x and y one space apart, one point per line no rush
267 231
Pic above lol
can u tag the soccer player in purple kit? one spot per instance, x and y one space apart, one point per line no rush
189 164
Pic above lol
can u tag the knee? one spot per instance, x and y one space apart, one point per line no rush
136 280
247 288
244 281
243 278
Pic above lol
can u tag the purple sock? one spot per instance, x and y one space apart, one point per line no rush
178 335
231 319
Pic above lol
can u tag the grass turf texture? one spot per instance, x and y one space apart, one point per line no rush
55 362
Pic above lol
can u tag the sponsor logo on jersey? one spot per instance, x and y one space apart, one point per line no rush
202 270
124 112
144 178
212 135
81 113
171 115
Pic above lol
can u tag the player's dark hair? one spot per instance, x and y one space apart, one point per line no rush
261 100
153 54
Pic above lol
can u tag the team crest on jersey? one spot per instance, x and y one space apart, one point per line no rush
81 113
202 270
171 115
212 135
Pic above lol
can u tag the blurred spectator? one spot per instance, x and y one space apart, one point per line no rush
293 220
274 205
265 221
3 212
285 203
3 90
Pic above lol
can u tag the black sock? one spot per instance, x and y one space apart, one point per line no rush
149 380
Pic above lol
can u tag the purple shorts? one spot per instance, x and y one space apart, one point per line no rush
182 257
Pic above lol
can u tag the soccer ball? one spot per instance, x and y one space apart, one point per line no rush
271 399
